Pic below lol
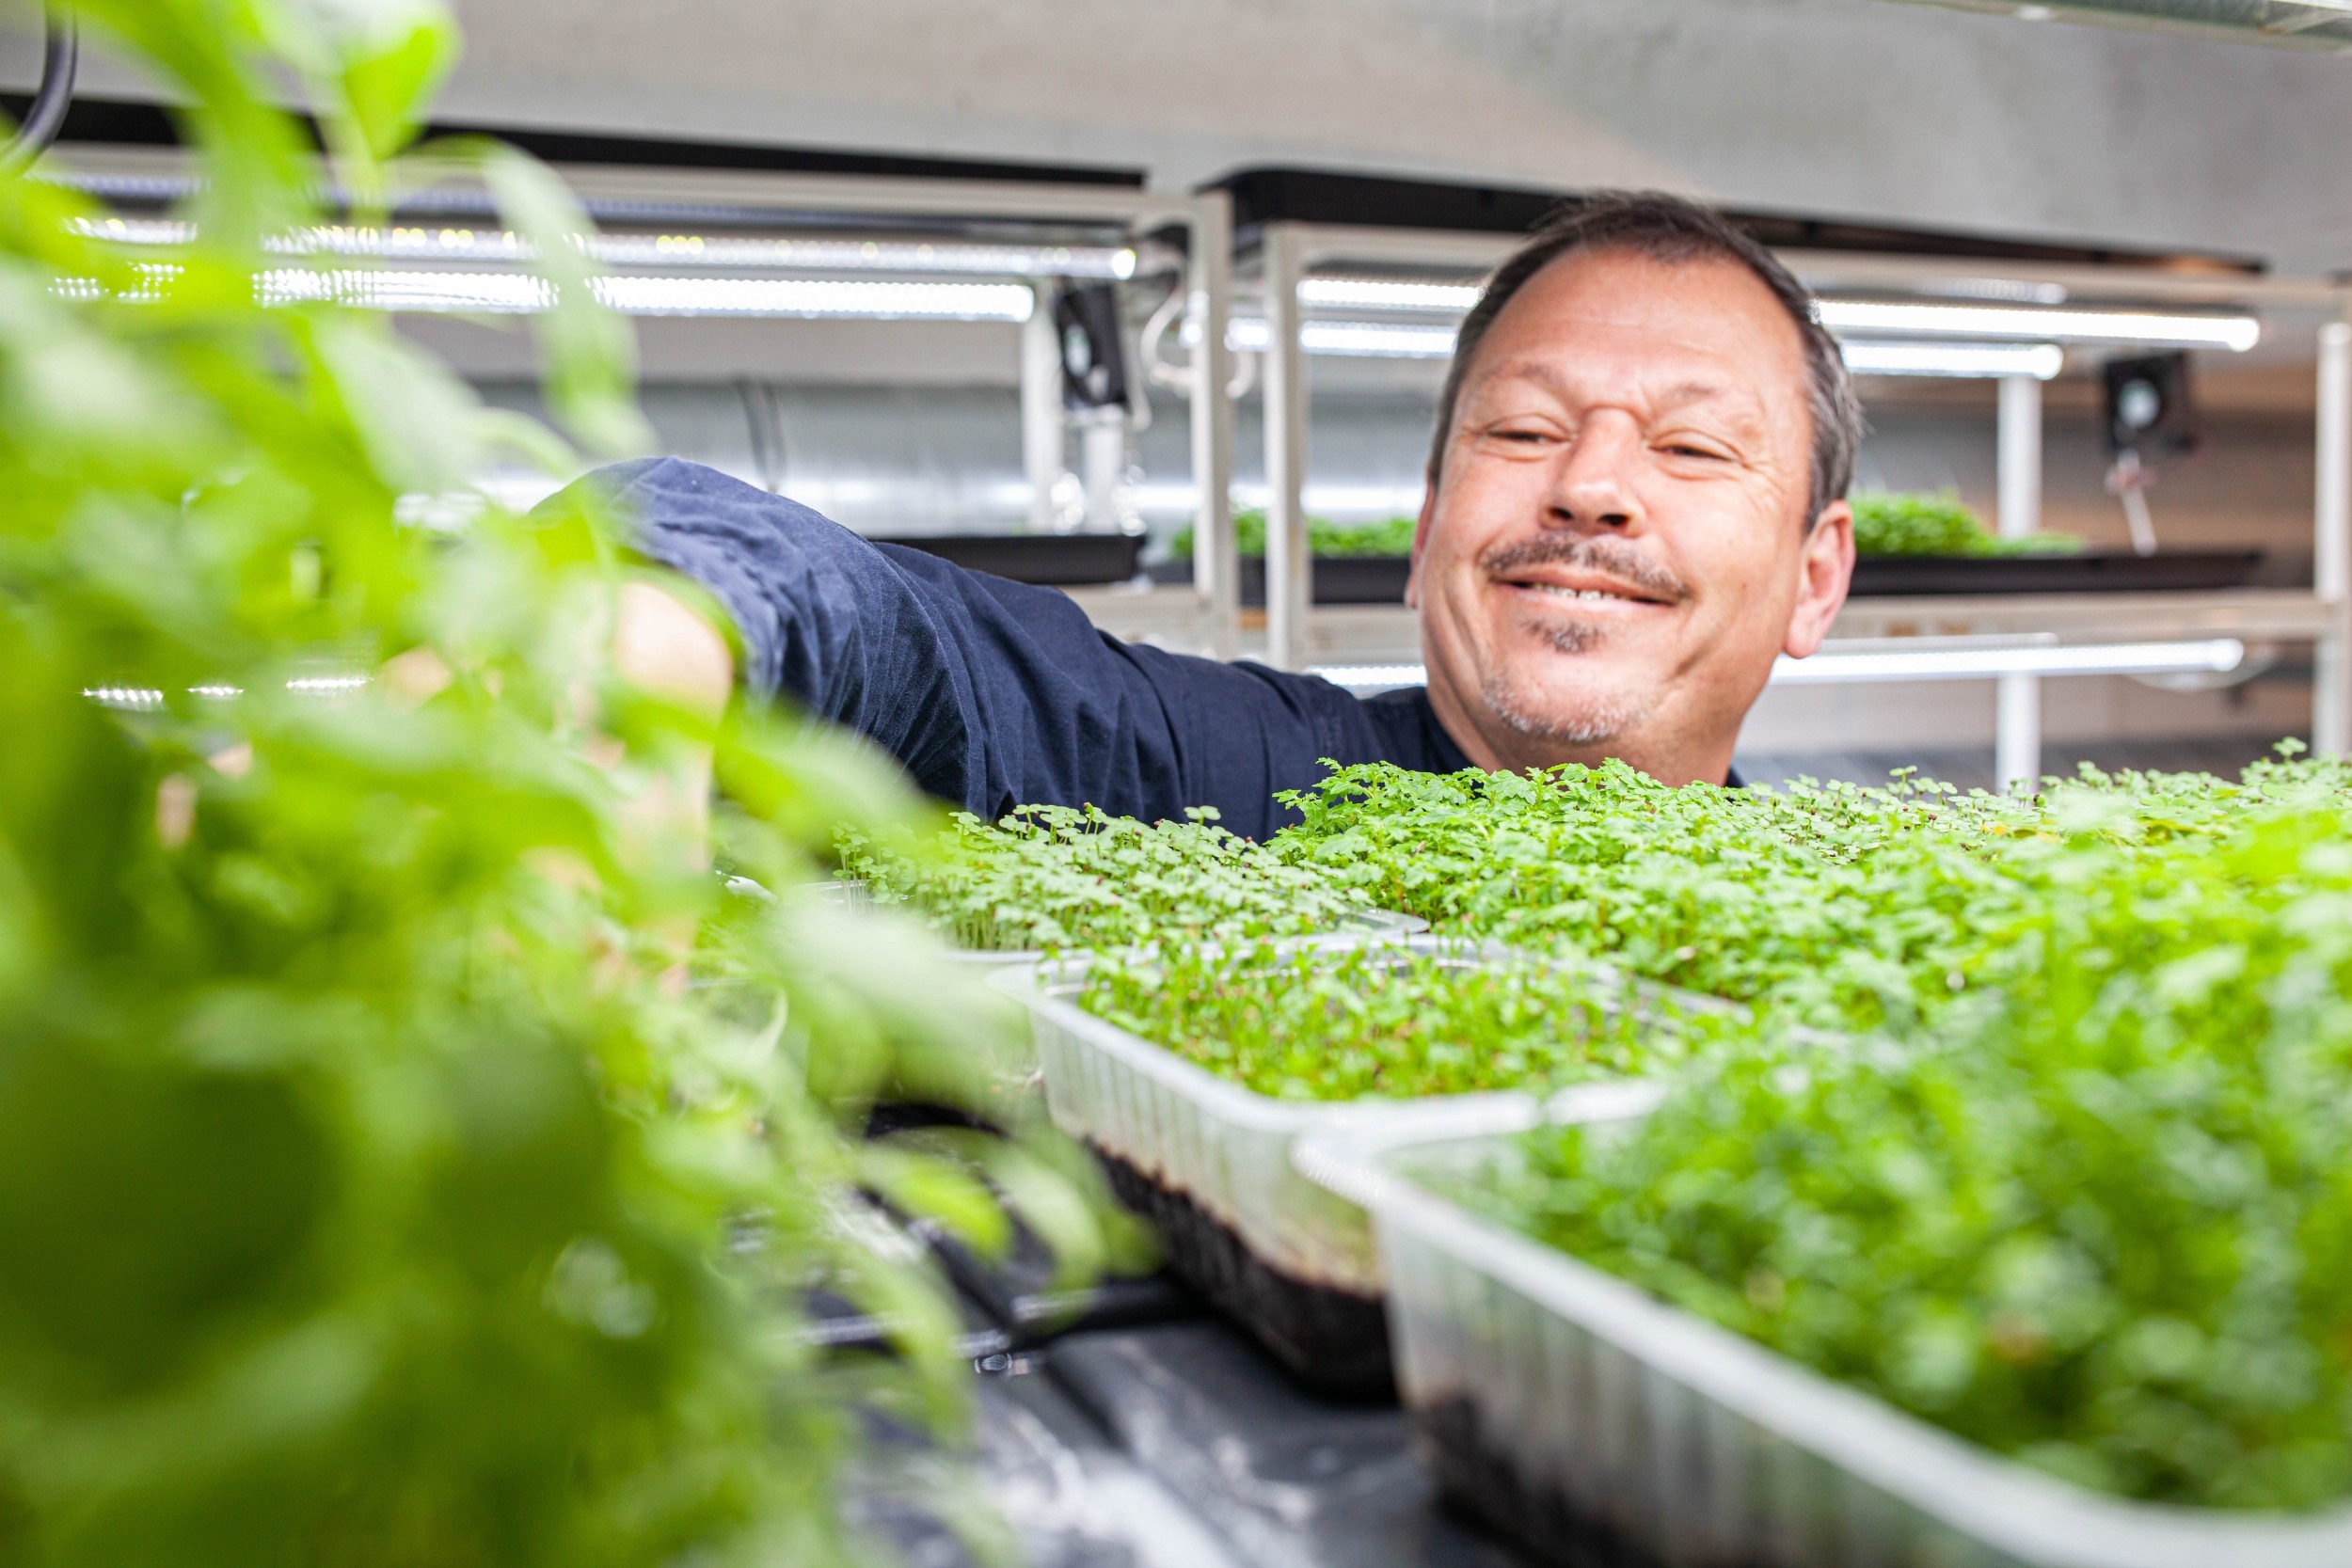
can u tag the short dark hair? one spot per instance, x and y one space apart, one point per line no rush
1670 230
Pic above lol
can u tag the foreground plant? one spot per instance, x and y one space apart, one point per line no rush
380 1180
2101 1222
1059 877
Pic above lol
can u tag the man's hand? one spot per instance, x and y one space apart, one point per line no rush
666 650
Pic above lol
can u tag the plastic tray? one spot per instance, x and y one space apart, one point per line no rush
1599 1426
2090 572
1209 1163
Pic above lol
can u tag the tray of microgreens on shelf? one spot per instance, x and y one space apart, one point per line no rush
1050 879
1190 1069
2061 1278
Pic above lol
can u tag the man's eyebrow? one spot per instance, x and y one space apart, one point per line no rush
1737 401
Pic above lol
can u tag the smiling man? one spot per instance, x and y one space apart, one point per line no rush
1636 495
1635 504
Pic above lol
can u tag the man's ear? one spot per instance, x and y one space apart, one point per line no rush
1420 539
1826 564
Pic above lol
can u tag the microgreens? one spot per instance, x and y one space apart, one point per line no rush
1305 1023
2099 1219
1054 877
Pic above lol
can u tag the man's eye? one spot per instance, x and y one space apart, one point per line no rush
1684 449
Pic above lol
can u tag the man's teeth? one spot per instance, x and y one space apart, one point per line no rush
1578 593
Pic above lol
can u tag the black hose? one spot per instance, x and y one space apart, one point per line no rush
45 118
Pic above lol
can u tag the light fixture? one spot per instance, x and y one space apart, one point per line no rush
1372 677
1348 339
2206 655
1984 360
431 292
131 699
430 243
148 699
1387 294
817 299
2236 333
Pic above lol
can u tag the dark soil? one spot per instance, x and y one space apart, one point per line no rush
1484 1480
1335 1341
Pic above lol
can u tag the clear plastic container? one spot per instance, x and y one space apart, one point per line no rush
1210 1163
1599 1425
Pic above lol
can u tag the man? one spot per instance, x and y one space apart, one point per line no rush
1635 502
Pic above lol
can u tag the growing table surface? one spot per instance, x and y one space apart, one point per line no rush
1174 1442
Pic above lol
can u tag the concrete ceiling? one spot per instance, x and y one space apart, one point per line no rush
1850 108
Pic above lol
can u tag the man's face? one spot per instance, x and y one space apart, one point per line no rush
1617 544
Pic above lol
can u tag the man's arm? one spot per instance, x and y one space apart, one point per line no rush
990 693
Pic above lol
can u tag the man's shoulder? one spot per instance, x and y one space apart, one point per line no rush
1332 722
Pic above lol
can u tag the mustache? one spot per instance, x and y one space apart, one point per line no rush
1601 553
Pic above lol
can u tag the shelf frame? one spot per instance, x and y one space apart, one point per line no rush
1299 635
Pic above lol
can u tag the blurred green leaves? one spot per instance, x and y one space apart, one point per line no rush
406 1155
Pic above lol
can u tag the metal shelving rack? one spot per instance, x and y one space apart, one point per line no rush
1301 635
889 211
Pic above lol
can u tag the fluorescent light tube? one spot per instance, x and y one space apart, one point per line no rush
1348 339
507 294
1387 294
417 243
1372 677
1984 360
2156 328
817 299
2207 655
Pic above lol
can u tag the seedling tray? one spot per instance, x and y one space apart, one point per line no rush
1337 578
1599 1426
2088 572
1208 1163
1064 559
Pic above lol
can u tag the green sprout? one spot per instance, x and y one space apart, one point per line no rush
1304 1022
1058 877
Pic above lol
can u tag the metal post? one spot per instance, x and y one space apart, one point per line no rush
2332 545
1289 584
2020 467
1041 418
1216 570
2017 706
2017 731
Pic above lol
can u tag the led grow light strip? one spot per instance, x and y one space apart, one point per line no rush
1372 677
1384 294
1391 340
2155 329
147 699
2207 655
1980 360
419 243
1348 339
817 299
519 294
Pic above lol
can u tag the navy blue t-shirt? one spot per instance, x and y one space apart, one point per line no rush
993 693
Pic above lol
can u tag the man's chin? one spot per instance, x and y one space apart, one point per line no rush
1574 715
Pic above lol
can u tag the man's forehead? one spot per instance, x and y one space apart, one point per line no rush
1705 331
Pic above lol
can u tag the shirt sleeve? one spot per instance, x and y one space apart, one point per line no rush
990 693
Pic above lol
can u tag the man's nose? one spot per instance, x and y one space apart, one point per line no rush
1594 486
